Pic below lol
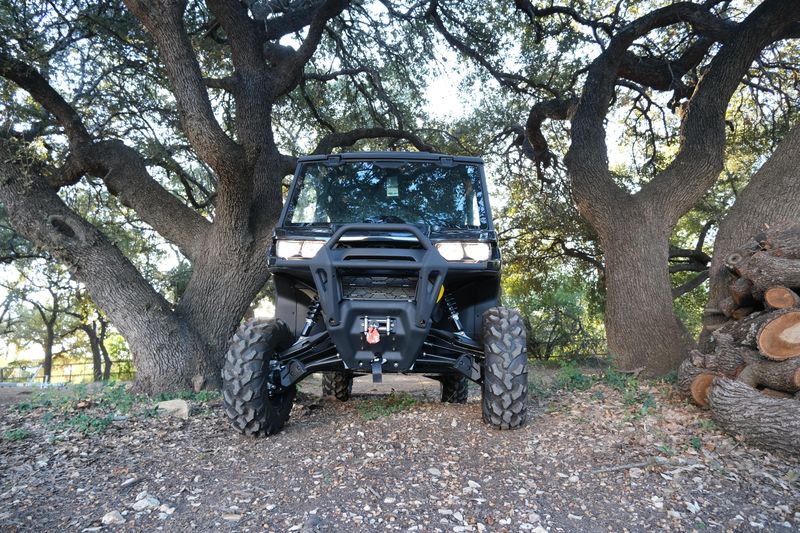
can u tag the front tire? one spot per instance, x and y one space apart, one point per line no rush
337 384
244 387
505 371
455 389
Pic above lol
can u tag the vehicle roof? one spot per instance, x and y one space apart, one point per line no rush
409 156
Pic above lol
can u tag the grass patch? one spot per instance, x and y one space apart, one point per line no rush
13 435
91 409
204 396
89 423
570 377
380 407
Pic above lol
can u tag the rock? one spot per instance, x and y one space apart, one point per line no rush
113 518
435 472
177 408
145 501
230 517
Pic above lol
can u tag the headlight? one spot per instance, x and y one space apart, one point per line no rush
465 251
297 249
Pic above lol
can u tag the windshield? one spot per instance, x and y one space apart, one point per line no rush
388 192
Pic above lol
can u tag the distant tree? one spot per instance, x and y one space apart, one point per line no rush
41 300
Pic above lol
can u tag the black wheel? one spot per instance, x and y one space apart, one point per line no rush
454 389
505 372
337 384
244 387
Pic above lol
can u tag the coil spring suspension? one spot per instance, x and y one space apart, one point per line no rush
452 308
311 317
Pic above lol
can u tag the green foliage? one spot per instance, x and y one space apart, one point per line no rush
570 377
87 423
560 324
389 405
16 434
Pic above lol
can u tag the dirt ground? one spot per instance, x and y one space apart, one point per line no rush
600 459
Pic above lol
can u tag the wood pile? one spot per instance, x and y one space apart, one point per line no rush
751 381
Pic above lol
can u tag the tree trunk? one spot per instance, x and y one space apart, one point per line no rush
766 200
102 343
47 365
94 345
219 293
641 328
769 422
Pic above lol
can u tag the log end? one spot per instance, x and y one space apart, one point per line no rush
779 339
700 387
781 298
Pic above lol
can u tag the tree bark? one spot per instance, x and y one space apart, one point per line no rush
766 270
106 358
641 328
777 375
769 422
764 201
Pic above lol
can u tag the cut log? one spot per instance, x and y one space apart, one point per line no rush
690 368
779 338
781 298
741 290
700 387
777 375
729 357
745 331
741 312
772 393
768 422
784 241
727 306
766 270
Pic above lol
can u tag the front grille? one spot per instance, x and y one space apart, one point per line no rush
379 288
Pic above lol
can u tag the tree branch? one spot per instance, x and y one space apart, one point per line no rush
36 211
125 175
292 67
551 109
349 138
163 20
32 81
690 285
701 153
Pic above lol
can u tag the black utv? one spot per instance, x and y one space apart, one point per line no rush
382 263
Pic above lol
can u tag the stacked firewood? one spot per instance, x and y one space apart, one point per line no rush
751 381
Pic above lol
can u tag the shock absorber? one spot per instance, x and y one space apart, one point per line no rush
311 317
452 308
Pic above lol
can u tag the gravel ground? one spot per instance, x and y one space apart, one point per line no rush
591 460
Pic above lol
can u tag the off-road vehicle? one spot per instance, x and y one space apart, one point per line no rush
382 262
